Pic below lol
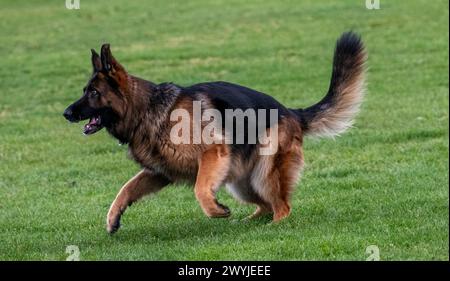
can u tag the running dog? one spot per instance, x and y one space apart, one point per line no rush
138 112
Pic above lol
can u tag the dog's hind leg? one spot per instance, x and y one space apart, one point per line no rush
261 210
244 192
289 165
145 182
275 177
213 168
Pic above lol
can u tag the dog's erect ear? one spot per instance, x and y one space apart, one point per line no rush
106 57
109 63
96 62
112 67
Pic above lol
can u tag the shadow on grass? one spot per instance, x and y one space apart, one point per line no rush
195 228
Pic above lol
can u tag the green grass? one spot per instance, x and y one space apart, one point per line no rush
383 183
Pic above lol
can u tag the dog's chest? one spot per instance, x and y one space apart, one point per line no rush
177 162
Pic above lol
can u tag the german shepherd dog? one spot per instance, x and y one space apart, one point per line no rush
137 112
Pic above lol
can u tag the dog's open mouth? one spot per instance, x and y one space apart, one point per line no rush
94 125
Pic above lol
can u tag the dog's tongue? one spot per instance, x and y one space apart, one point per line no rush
93 126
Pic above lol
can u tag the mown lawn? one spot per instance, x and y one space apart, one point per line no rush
384 183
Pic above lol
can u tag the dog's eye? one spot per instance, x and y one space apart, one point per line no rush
94 93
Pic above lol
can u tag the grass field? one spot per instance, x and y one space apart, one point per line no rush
384 183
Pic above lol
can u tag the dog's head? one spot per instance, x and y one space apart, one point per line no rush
103 101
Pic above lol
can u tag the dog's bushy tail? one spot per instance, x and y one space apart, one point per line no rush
335 112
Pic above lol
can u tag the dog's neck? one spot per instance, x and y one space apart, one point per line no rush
147 109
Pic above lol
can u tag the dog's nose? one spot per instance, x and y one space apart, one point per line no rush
68 114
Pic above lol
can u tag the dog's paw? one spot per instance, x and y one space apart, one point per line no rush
219 211
226 211
112 224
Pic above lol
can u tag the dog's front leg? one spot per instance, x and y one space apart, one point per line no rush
213 168
143 183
